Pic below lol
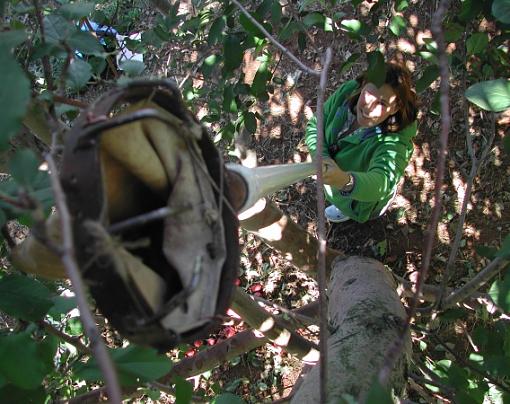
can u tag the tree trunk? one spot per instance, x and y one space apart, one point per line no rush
278 230
366 316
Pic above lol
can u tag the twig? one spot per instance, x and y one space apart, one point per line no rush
69 261
476 283
68 101
289 54
299 320
45 59
145 218
321 229
396 348
74 341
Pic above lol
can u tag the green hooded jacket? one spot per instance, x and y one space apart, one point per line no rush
376 160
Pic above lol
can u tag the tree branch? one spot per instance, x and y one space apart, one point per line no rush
437 31
289 54
73 273
277 330
74 341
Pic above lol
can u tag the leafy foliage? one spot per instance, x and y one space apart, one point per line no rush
69 59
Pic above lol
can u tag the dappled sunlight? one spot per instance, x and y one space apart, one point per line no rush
410 211
442 233
459 186
294 106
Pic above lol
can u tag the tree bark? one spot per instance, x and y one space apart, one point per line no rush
277 229
366 316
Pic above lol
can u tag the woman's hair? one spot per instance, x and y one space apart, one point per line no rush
399 78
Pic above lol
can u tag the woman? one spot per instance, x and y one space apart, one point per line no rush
368 143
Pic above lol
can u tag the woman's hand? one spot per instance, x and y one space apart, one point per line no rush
332 174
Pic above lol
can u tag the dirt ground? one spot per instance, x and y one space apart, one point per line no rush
397 239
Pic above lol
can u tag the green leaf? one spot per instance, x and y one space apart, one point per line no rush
454 32
24 297
3 217
486 251
289 30
134 364
209 64
62 305
376 72
250 27
401 5
216 30
132 68
354 28
477 43
79 74
276 13
492 95
57 28
430 74
232 53
259 85
378 395
75 11
506 144
24 361
14 96
85 43
227 398
351 60
470 9
250 122
22 396
504 251
501 10
183 391
314 18
229 101
10 39
23 167
397 25
428 56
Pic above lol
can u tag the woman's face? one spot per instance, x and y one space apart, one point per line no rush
375 105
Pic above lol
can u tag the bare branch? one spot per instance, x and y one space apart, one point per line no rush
45 59
289 54
321 229
491 270
277 330
74 341
73 273
437 31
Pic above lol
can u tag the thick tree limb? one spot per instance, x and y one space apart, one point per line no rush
279 231
366 316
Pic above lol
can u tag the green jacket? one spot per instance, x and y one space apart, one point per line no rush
376 160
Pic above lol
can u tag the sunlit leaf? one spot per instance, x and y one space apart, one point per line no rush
401 5
492 95
397 25
76 10
24 361
376 72
354 28
430 74
501 10
500 292
477 43
14 96
134 364
428 56
23 297
209 64
232 53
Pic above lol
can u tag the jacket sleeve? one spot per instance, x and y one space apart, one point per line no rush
332 102
386 168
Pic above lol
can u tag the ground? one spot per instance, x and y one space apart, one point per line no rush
398 238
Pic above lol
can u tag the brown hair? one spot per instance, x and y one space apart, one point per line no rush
399 78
